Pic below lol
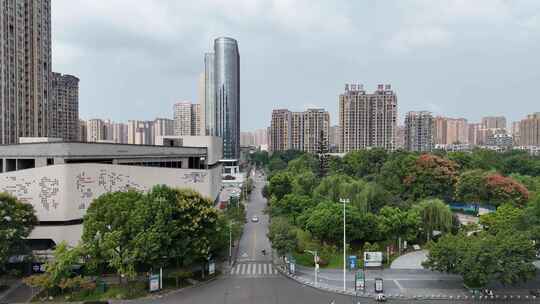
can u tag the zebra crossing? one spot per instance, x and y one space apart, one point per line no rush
254 270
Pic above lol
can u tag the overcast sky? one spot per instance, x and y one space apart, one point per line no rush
459 58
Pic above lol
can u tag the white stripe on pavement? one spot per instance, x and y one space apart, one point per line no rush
244 266
264 269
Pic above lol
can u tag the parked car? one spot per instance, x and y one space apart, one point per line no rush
535 292
255 219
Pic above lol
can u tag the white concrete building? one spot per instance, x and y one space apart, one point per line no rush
61 179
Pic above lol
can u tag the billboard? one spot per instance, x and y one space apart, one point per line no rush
373 259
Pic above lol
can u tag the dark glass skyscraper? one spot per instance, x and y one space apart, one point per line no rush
223 88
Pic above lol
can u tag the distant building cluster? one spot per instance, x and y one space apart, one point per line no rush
369 120
257 138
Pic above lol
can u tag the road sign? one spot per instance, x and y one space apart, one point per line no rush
352 262
360 281
379 285
373 259
211 267
154 282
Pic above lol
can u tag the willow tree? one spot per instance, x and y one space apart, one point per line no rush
435 215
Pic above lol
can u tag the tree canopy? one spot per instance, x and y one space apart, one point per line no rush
17 220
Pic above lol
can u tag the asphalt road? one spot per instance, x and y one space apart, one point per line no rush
254 238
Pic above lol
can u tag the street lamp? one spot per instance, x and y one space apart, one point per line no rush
316 260
344 201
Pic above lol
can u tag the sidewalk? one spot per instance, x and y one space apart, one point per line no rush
402 284
17 293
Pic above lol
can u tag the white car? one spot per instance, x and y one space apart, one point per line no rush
255 219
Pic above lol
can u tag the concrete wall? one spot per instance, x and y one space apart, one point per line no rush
213 143
64 192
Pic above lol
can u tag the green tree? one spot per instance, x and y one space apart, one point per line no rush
435 215
506 217
325 222
507 260
62 267
373 197
108 232
304 183
364 163
282 235
291 206
486 160
471 187
395 171
17 220
280 185
463 160
395 223
276 164
335 187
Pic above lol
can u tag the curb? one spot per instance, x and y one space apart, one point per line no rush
368 295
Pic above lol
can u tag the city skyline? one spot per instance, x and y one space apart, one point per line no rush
164 67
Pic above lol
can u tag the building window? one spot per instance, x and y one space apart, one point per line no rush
50 161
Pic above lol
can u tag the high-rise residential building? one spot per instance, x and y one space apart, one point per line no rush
222 95
400 137
493 122
439 130
196 119
515 132
316 124
261 137
162 127
140 132
63 107
209 94
119 133
367 120
83 131
299 130
96 130
280 130
182 118
529 130
187 119
247 139
25 69
333 139
418 131
475 134
449 131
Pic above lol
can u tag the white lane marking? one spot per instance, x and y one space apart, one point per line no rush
249 269
264 269
244 267
259 266
398 285
237 269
